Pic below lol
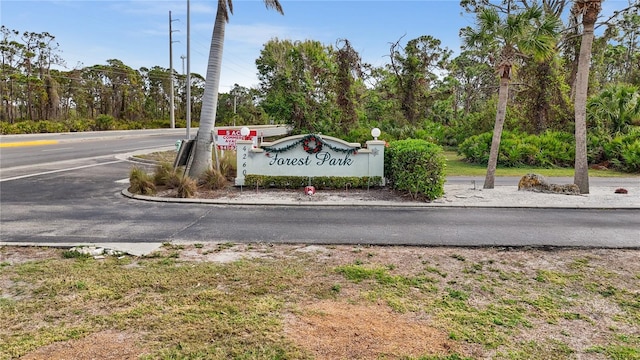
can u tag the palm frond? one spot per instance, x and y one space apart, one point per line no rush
274 4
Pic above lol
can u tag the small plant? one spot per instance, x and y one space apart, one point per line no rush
458 257
163 173
104 122
187 187
224 246
140 182
336 288
228 165
212 179
174 180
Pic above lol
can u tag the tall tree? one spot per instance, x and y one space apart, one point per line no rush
296 80
526 34
349 69
588 10
202 160
417 67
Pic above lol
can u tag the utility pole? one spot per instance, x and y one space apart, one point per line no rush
172 115
188 71
234 109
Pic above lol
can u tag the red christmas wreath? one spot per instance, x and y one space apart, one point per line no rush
312 145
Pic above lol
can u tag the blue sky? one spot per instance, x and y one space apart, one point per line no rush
137 31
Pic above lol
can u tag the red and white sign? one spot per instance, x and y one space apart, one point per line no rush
226 139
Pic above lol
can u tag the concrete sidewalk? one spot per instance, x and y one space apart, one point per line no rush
458 193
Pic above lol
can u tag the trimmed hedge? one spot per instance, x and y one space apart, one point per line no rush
417 167
320 182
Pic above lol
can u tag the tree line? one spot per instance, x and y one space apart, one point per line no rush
328 88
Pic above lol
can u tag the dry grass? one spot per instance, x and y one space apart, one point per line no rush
264 301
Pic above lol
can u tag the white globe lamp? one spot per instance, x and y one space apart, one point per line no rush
375 132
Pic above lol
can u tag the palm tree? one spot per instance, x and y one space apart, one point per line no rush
510 40
589 10
202 160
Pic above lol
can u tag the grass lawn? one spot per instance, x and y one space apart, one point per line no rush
266 301
456 166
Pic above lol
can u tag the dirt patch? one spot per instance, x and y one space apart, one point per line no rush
20 254
105 345
335 330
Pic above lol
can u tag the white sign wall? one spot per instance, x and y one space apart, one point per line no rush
310 156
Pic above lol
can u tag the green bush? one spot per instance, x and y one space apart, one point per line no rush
630 153
476 148
552 148
104 122
79 125
417 167
515 151
7 129
26 127
555 149
320 182
623 151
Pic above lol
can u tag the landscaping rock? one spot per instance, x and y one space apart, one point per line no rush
538 183
533 182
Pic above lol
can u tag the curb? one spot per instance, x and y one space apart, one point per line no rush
367 204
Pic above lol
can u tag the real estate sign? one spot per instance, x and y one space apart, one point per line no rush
226 138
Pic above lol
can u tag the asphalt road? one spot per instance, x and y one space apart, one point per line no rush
79 200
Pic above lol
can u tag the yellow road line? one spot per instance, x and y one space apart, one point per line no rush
29 143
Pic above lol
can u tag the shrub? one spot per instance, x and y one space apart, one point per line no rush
476 148
79 125
6 128
187 187
163 173
624 150
140 182
174 179
630 153
212 179
555 149
416 166
46 126
26 127
228 165
320 182
595 147
552 148
104 122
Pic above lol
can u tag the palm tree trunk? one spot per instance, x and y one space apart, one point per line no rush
581 174
202 160
501 114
